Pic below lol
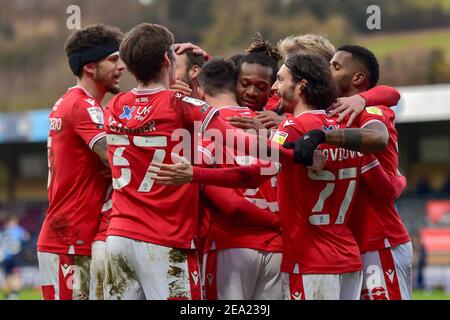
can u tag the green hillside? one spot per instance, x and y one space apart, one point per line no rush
389 43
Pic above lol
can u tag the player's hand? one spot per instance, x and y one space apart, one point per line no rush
172 174
246 123
182 87
319 161
270 119
348 107
182 47
305 146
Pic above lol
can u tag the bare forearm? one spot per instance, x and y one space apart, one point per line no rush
363 140
101 150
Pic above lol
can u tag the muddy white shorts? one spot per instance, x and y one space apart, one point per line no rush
64 276
137 270
388 273
346 286
242 274
97 270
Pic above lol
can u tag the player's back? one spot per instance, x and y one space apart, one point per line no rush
140 124
378 224
315 206
227 232
76 189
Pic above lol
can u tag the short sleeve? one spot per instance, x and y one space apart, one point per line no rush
371 115
288 131
88 121
194 111
369 161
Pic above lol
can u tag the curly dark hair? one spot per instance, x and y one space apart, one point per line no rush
263 53
321 90
92 36
367 58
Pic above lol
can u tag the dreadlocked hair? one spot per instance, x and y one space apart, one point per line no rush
260 44
263 53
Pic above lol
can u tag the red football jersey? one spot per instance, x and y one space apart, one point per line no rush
315 207
273 103
139 127
378 224
76 187
226 232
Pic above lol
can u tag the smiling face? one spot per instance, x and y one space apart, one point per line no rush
253 87
285 89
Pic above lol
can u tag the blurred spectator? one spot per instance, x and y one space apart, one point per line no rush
420 259
12 240
423 186
446 185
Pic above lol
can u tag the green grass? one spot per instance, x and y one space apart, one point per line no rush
29 294
387 43
433 295
417 295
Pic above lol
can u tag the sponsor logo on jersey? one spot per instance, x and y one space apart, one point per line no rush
374 110
96 114
127 113
142 112
141 100
280 137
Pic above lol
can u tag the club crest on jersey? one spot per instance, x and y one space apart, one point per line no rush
280 137
127 113
374 110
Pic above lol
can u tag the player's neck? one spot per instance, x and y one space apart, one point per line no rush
351 92
162 81
301 107
195 93
95 89
222 100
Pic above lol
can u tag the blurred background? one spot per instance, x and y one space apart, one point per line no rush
413 48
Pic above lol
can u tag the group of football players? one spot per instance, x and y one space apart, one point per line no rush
271 174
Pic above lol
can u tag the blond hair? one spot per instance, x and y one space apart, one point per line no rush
308 43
